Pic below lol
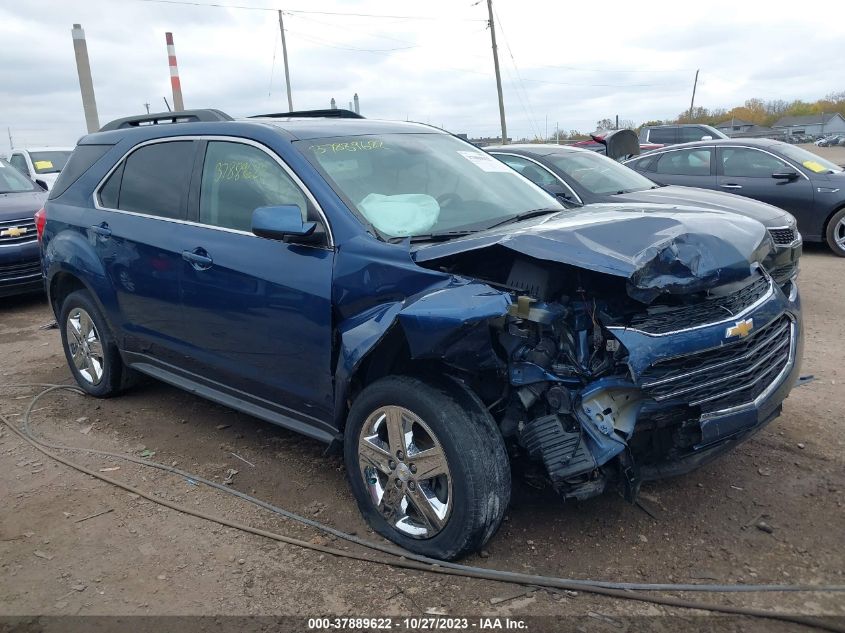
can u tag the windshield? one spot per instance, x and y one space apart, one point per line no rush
49 162
13 181
599 174
409 185
808 160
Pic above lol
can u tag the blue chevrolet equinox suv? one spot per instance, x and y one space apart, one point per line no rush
395 292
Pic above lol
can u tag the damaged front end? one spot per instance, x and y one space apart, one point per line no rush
612 348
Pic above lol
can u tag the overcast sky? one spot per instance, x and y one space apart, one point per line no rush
565 63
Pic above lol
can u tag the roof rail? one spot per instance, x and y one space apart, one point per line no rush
333 113
181 116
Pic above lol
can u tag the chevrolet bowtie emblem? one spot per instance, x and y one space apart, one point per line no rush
740 329
13 231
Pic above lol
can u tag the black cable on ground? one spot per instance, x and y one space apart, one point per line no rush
406 560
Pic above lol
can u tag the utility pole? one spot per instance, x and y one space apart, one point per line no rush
285 57
167 104
11 143
86 84
147 106
498 76
692 101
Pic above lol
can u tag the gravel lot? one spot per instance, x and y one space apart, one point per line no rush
139 558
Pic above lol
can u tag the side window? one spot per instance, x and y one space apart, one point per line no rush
695 133
536 174
665 135
742 162
18 161
239 178
689 162
110 191
155 179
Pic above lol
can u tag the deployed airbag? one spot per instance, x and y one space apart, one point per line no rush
401 215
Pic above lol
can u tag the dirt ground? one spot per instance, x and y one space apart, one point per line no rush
139 558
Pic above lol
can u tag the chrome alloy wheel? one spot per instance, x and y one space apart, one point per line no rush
405 472
86 348
839 234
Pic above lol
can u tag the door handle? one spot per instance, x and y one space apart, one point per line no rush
102 229
198 258
731 186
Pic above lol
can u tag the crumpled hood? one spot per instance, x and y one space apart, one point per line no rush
705 198
658 250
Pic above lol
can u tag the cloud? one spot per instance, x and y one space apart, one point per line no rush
562 63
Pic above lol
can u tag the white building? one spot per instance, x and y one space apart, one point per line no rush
812 125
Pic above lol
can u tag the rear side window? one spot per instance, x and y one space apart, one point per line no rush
155 180
664 135
695 133
18 161
82 158
691 162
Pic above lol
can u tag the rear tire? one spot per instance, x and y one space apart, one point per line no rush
835 234
445 432
89 346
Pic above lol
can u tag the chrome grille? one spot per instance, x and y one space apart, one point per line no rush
26 224
783 236
667 319
726 376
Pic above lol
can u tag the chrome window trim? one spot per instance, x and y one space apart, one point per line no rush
734 317
35 239
544 168
760 149
216 137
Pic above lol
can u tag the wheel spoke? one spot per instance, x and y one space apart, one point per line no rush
370 454
396 433
95 348
79 359
429 463
429 507
86 325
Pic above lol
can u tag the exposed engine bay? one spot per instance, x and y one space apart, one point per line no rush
571 401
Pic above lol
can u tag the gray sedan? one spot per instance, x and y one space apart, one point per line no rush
808 186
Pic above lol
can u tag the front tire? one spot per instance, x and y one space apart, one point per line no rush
835 234
427 465
89 346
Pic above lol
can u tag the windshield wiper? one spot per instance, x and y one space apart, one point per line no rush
533 213
439 237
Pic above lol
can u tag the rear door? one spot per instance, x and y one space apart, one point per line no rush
257 311
140 209
692 167
747 171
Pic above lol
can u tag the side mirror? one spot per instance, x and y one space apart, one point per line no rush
706 138
281 222
785 175
42 184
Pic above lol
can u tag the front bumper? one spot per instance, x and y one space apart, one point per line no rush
20 269
712 427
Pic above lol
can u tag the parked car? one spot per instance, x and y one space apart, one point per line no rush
390 289
41 164
678 133
830 141
20 265
585 178
808 186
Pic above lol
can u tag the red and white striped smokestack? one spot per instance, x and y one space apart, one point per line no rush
178 104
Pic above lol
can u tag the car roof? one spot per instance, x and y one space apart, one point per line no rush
57 148
537 149
308 128
750 142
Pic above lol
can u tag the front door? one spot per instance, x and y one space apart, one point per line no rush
748 172
257 311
